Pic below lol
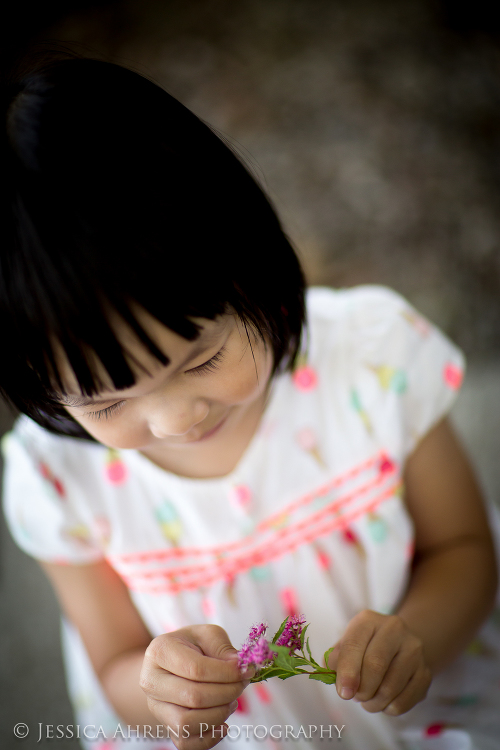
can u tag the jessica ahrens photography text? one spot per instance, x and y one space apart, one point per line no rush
255 731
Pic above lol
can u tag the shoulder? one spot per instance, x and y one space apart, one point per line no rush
354 322
33 454
35 441
359 304
401 371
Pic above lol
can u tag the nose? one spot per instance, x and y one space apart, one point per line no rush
173 419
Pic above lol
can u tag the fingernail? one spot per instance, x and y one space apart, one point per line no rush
346 693
233 706
248 672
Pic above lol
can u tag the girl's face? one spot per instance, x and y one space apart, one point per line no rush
204 396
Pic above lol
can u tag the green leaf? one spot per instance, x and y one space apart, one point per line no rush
310 655
328 679
265 674
279 649
327 654
298 661
302 636
280 630
286 675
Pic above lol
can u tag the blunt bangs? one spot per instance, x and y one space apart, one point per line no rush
116 195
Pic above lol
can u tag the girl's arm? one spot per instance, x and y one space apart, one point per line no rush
454 578
97 602
188 678
387 662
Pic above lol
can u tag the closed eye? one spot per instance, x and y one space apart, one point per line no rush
211 364
105 413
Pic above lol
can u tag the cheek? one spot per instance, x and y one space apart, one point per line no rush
244 383
114 434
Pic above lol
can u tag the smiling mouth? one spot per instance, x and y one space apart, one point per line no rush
209 433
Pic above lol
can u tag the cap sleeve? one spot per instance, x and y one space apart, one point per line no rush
410 371
40 512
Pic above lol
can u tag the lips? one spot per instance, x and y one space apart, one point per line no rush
211 432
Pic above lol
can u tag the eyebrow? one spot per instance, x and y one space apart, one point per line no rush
203 342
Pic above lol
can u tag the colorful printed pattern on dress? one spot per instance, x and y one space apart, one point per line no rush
328 508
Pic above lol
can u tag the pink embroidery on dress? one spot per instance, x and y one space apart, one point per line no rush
323 559
289 601
352 539
242 705
115 470
262 692
174 570
240 496
433 730
453 376
386 465
54 481
305 378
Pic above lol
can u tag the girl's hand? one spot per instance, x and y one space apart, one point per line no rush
192 681
380 663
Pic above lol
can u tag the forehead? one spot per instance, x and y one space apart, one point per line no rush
141 361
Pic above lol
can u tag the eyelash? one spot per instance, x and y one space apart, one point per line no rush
211 365
105 413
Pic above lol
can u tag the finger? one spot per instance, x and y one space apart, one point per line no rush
351 651
190 725
381 665
395 680
414 692
167 687
177 654
398 675
203 741
213 641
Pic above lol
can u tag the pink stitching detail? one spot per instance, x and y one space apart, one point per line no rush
243 563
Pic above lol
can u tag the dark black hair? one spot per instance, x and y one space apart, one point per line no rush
115 194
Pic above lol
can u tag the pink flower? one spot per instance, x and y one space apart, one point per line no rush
257 631
291 634
305 378
244 655
261 653
257 653
256 650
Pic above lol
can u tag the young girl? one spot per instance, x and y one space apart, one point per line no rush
203 447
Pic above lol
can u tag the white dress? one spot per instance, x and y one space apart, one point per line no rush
312 520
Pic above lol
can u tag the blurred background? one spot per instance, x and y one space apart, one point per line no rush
374 126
